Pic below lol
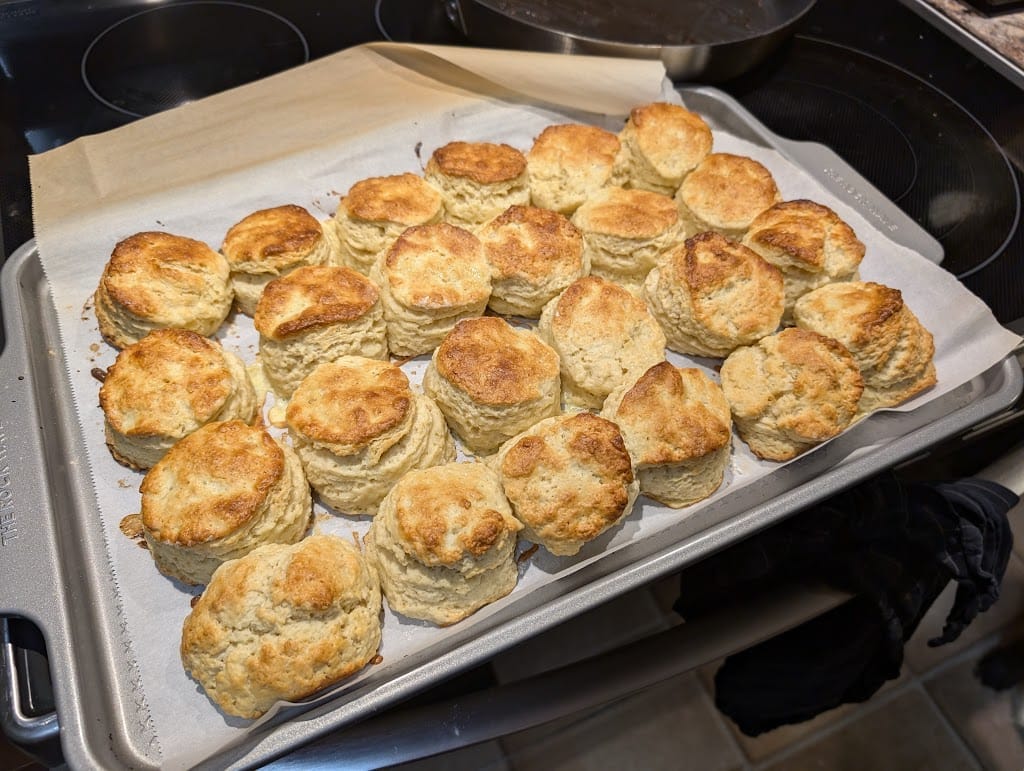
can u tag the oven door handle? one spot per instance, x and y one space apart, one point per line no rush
401 735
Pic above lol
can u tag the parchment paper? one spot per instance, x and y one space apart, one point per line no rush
305 136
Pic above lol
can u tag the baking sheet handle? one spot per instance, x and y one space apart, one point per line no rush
30 566
401 735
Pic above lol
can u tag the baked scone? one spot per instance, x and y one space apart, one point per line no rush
282 623
893 350
711 295
430 278
375 211
603 335
661 144
678 430
358 427
159 280
791 391
534 254
492 381
568 163
316 314
270 243
809 243
219 493
625 232
478 180
166 386
444 543
725 193
569 479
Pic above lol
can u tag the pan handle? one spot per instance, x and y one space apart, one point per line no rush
453 10
402 735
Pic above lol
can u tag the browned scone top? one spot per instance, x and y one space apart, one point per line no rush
790 391
674 414
437 266
531 243
494 363
894 351
725 192
627 213
170 377
345 404
569 478
154 280
271 240
446 515
485 163
807 236
210 483
406 199
282 623
313 296
670 138
568 162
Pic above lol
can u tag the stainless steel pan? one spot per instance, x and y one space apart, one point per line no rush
698 40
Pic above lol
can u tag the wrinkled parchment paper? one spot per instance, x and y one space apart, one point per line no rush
305 136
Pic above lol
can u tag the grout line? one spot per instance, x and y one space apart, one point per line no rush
950 728
976 649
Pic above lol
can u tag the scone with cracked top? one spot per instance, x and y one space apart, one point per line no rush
678 430
661 144
314 314
725 193
157 280
711 295
270 243
444 543
358 427
219 493
568 163
569 479
791 391
894 351
166 386
283 623
492 381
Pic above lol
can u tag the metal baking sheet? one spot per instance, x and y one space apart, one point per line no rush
55 558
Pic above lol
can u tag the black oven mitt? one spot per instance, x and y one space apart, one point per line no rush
893 544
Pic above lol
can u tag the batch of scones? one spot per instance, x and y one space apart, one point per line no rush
545 287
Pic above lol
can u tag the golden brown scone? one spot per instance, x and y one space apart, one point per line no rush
219 493
894 352
711 295
282 623
316 314
166 386
661 144
568 163
375 212
444 543
625 233
159 280
270 243
725 193
603 336
492 381
569 479
791 391
478 180
358 427
678 430
809 243
534 254
432 277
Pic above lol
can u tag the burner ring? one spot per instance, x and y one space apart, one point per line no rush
174 54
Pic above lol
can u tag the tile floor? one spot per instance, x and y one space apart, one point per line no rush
935 716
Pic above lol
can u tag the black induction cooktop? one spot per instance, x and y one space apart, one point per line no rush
935 129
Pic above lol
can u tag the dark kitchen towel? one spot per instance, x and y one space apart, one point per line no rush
893 544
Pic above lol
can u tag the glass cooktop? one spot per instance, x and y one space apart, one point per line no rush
932 127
